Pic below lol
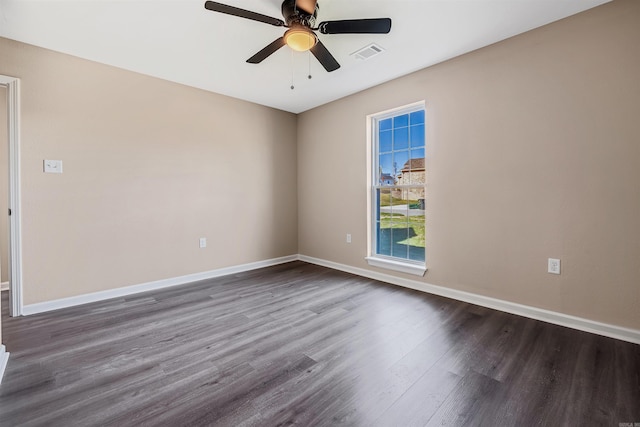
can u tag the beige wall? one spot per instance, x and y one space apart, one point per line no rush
149 168
533 152
4 188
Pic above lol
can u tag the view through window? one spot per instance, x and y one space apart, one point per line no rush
399 185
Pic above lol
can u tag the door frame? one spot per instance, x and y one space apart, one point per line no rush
12 84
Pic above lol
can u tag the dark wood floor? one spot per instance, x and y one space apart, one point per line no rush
299 344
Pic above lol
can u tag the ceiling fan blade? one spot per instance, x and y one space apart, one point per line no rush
324 57
356 26
242 13
308 6
267 51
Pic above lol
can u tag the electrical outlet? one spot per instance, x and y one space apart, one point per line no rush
203 242
554 266
348 238
52 166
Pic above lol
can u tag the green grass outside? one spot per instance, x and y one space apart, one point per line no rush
401 221
387 200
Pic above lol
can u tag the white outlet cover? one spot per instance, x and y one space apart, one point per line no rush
203 242
53 166
554 266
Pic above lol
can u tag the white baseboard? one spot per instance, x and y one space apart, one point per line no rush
607 330
4 358
4 286
150 286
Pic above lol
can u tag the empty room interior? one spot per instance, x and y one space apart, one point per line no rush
409 213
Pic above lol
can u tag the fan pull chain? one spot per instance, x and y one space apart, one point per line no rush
309 56
292 86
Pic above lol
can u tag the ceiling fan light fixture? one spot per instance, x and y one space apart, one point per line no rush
300 17
300 39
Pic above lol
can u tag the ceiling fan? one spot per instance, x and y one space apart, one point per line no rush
300 19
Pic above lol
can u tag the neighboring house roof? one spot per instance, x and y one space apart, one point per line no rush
387 177
413 165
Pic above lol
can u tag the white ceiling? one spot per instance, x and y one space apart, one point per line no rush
181 41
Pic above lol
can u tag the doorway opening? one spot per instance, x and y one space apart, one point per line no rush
4 192
11 151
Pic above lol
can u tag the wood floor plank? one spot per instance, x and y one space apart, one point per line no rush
471 402
421 401
299 344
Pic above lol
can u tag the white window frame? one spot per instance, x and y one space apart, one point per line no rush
407 266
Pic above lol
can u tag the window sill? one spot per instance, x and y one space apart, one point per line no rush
403 267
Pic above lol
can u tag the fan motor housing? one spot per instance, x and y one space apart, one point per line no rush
292 15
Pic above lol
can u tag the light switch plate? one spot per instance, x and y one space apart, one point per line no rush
53 166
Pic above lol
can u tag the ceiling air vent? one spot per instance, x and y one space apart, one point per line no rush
368 51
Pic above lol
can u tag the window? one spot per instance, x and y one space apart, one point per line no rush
398 190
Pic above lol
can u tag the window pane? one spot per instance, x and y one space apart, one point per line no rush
416 198
416 253
399 204
400 160
385 124
403 169
384 200
414 173
417 153
385 141
385 166
399 223
417 136
384 239
401 121
382 221
417 117
400 234
401 139
384 197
